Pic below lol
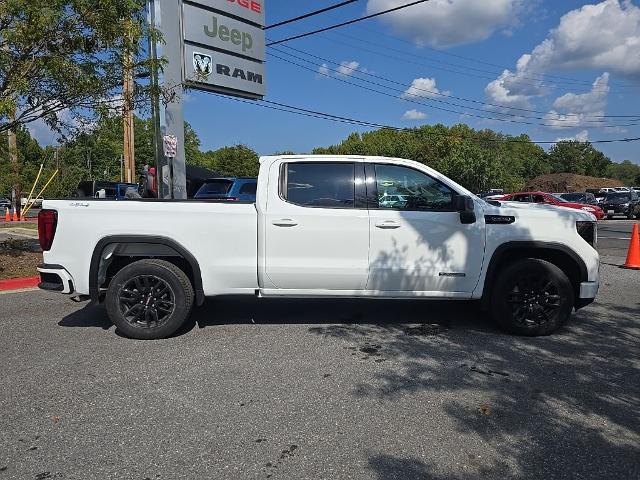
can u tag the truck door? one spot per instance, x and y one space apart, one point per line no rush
317 226
420 244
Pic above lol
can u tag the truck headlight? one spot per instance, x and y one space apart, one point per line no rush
588 231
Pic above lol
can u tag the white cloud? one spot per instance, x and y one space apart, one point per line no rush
446 23
345 69
594 101
582 136
578 110
348 68
424 87
414 114
601 36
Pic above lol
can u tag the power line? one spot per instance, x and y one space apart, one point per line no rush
349 22
438 93
283 107
412 100
311 14
568 80
466 72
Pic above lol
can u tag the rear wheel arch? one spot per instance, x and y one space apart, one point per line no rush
558 254
123 250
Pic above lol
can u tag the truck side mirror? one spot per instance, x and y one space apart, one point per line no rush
464 204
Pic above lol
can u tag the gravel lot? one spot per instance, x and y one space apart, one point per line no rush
321 390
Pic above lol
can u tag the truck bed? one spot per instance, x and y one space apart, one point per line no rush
221 235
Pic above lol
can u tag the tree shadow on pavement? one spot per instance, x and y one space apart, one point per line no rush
563 406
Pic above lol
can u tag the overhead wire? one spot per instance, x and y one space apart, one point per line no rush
413 100
438 93
349 22
311 14
561 79
272 105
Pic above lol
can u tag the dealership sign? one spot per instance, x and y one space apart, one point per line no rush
224 46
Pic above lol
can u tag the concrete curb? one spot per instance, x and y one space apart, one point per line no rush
19 283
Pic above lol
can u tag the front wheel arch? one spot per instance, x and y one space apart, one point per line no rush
555 253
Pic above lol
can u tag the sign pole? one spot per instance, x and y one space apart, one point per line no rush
209 45
167 17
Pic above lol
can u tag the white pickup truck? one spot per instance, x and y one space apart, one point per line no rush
323 226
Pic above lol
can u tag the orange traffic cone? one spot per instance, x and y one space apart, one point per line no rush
7 215
15 214
633 256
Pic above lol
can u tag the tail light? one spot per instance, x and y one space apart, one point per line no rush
47 223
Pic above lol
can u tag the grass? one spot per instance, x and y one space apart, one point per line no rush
26 225
18 259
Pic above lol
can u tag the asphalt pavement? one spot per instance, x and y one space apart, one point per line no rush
374 390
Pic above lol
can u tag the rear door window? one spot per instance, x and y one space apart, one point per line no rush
248 189
320 184
216 187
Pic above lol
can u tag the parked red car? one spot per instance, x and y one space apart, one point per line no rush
541 197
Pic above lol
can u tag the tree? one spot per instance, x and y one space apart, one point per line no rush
62 60
626 172
236 161
571 156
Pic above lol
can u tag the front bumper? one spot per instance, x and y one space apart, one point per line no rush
615 209
55 278
589 289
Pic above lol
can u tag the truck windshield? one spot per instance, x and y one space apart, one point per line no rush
216 187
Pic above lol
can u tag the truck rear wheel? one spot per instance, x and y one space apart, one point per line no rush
532 297
149 299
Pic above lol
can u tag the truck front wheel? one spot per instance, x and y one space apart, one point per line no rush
531 297
149 299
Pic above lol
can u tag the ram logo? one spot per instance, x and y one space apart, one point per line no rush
203 64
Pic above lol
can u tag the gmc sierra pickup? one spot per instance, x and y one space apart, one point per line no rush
323 226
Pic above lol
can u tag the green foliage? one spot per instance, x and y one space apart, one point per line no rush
626 172
479 160
236 161
62 60
577 157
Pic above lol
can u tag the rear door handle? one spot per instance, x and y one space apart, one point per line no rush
285 222
388 224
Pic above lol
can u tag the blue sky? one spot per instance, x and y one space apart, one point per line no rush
553 68
453 47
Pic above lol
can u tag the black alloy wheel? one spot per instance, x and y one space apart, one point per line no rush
146 301
534 299
149 299
531 297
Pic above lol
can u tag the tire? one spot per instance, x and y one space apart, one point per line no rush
551 303
630 215
156 316
609 217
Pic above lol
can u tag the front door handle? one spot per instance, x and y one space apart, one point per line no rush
388 224
285 222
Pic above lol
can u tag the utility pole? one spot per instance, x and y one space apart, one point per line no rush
127 113
13 159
